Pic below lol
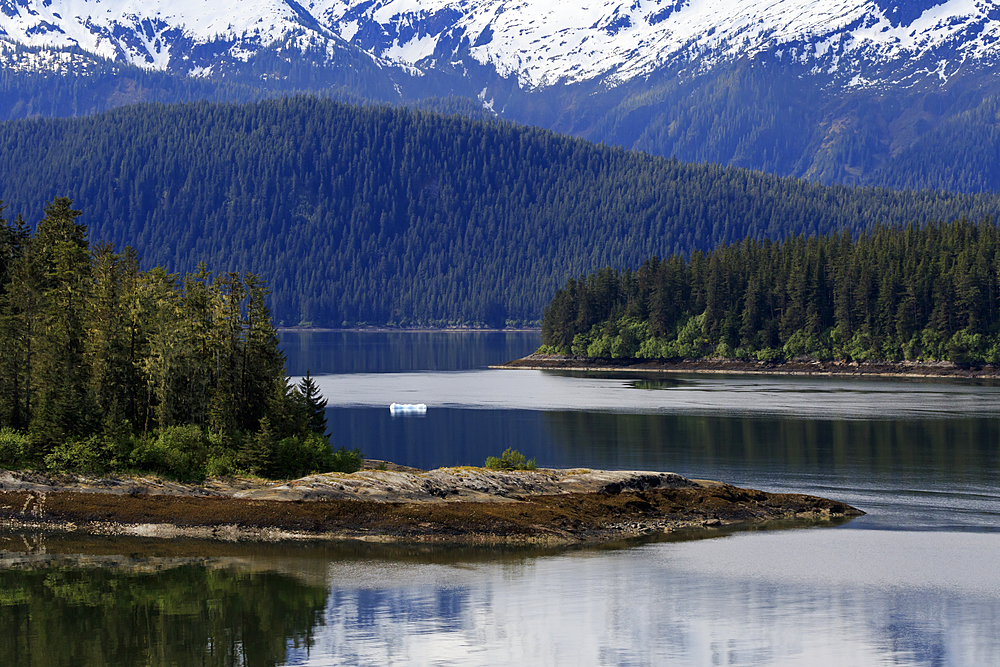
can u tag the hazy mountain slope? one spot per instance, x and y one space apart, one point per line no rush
843 91
383 215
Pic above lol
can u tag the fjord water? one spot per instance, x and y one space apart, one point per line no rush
914 582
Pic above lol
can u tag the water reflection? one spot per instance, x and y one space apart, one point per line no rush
929 473
441 437
657 383
187 614
957 448
915 455
325 352
768 597
735 396
811 597
932 473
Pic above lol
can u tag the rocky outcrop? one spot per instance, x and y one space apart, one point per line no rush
459 484
448 505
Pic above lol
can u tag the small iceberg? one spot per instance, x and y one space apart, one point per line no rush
408 408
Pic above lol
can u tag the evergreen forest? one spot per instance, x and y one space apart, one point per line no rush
891 293
106 367
389 216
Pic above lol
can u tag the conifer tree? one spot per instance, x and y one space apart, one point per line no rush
263 363
315 404
13 374
64 404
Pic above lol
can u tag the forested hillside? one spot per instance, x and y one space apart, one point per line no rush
892 293
106 86
390 216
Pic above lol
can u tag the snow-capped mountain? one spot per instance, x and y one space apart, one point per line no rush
544 42
538 43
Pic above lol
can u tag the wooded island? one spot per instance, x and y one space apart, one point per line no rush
105 367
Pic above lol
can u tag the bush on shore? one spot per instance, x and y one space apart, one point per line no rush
511 459
184 453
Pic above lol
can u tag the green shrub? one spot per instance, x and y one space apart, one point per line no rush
992 354
91 454
911 348
15 449
724 350
801 344
179 452
965 347
691 339
654 348
346 460
769 355
891 350
932 345
511 459
581 343
630 339
309 453
600 347
222 462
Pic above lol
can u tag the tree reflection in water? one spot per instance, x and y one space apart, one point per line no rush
184 615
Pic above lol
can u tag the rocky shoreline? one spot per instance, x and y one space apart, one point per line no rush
900 369
392 504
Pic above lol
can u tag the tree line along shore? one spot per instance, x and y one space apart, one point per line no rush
892 294
108 368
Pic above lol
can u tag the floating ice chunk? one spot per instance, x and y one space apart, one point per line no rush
408 408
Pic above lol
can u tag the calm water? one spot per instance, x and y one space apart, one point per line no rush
915 582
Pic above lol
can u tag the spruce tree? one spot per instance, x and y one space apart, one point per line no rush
64 405
314 403
13 376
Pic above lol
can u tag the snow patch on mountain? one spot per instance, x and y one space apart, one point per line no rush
17 58
148 33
